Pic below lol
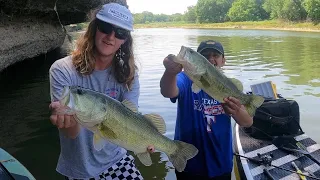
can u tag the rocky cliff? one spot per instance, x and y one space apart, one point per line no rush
29 28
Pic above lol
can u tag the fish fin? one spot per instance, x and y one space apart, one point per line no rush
204 82
130 105
157 121
256 101
144 158
195 88
98 142
107 132
183 153
237 83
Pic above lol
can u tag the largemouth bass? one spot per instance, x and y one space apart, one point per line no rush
122 124
211 79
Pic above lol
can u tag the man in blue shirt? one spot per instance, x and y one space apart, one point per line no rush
202 120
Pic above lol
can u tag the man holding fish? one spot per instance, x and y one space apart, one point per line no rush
102 61
204 115
95 95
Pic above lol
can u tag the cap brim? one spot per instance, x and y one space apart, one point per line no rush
116 23
211 48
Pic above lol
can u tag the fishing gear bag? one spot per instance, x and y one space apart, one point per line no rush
276 118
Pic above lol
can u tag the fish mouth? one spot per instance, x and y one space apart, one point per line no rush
86 120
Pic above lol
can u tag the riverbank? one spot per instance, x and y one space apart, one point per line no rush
268 25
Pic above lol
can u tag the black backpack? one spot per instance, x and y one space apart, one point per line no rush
276 118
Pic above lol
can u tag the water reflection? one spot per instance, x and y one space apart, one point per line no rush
25 128
158 170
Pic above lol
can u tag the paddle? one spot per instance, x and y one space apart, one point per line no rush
263 160
289 144
266 171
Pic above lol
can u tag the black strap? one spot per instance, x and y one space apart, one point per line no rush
264 116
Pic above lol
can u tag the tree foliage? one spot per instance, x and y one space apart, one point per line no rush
285 9
213 11
190 15
313 9
247 10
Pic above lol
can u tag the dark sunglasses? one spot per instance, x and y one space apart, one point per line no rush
214 53
107 28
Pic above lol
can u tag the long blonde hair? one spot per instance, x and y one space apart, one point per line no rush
84 61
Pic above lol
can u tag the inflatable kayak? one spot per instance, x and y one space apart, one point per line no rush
262 159
12 169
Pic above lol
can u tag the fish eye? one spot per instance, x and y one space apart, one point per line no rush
79 91
104 109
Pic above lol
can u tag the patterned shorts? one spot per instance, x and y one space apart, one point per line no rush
124 169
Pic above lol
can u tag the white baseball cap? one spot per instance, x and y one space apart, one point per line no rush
116 14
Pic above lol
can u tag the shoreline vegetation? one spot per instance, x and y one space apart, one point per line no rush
250 25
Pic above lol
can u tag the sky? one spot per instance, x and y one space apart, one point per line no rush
160 6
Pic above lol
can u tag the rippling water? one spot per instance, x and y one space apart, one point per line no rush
289 59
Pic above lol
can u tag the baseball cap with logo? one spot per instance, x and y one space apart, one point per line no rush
211 45
116 14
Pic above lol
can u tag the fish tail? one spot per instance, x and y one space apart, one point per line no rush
256 101
183 152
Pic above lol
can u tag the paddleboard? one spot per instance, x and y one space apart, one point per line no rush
12 169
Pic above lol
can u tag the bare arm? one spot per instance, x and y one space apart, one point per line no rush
59 77
168 85
168 82
243 118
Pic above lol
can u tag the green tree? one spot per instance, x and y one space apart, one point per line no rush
176 17
148 16
285 9
160 18
293 10
247 10
313 9
274 7
138 18
212 10
190 15
144 17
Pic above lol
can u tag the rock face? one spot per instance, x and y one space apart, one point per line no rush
29 28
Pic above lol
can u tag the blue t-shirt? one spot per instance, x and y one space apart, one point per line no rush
202 122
